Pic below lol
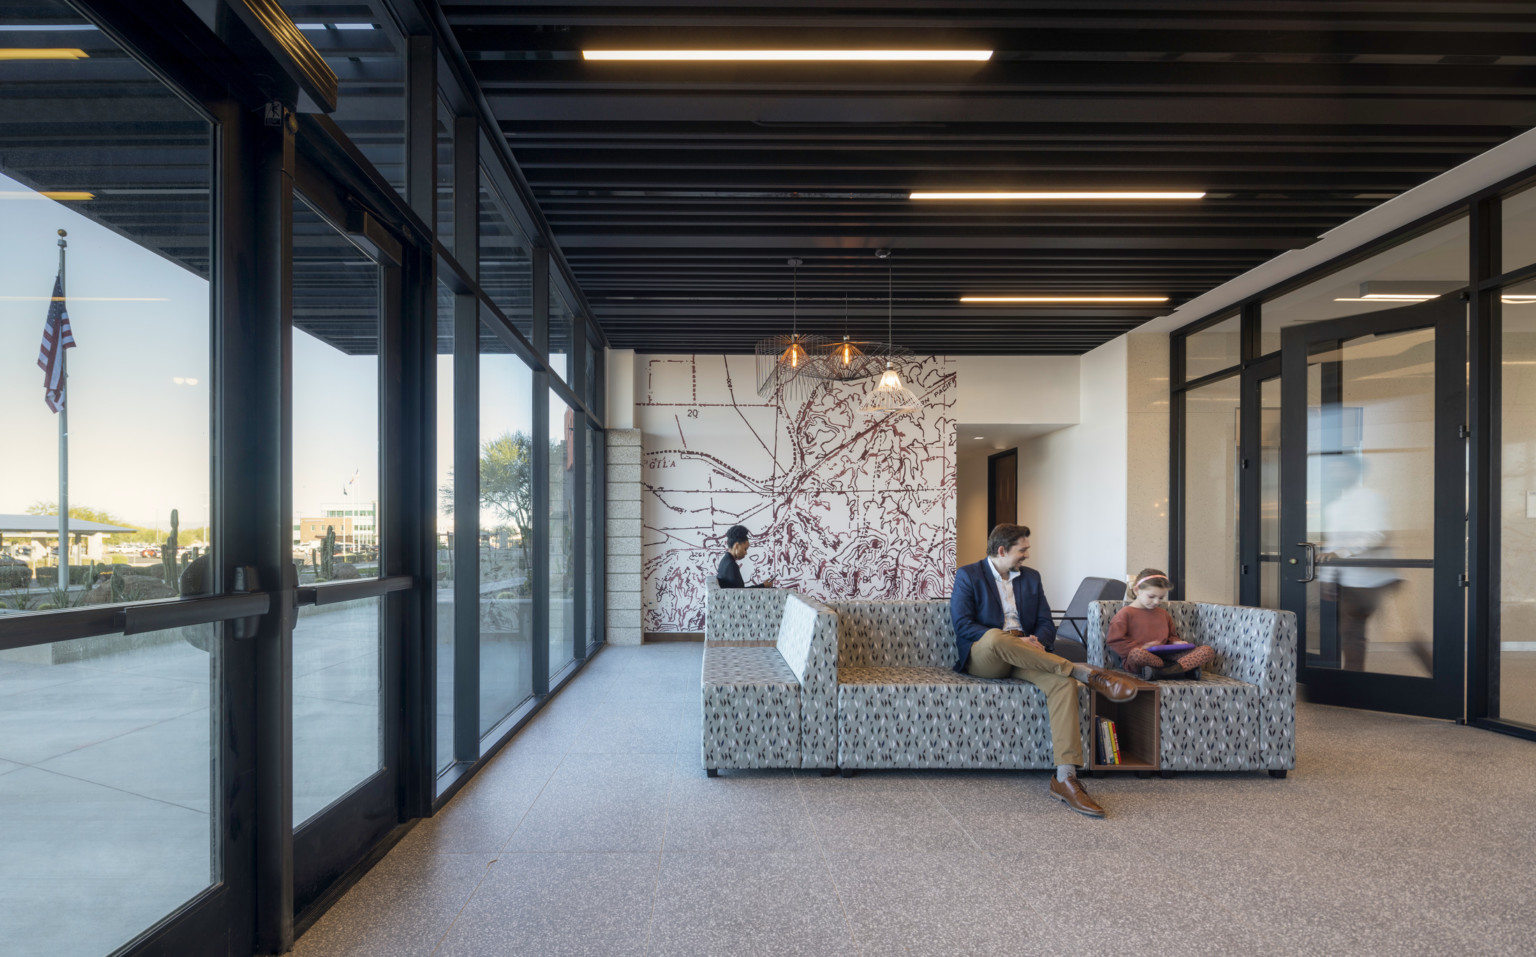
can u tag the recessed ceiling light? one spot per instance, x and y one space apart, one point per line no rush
978 437
41 53
1060 195
1084 299
781 56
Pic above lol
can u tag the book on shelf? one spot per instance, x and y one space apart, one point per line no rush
1109 749
1114 739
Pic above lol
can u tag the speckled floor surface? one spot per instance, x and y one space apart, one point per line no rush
597 833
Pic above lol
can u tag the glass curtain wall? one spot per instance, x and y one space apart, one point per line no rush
1513 681
563 488
337 742
508 543
506 268
444 532
109 745
561 320
365 49
1211 459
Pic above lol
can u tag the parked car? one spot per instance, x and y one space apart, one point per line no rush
150 552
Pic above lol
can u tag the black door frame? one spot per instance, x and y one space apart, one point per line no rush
1442 695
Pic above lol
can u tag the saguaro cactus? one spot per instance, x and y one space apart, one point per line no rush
168 554
328 554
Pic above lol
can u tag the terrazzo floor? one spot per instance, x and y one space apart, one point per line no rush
596 832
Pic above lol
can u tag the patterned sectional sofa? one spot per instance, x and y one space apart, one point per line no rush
791 682
901 704
1241 715
769 680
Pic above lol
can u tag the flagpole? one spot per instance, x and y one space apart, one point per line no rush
63 442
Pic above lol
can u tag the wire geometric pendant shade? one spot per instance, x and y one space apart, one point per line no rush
890 396
783 360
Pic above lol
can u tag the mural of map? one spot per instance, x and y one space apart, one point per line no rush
840 505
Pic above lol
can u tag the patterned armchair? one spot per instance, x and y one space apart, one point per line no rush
1242 715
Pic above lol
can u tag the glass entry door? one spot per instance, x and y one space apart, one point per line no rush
1372 506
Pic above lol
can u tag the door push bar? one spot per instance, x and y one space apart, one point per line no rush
1311 570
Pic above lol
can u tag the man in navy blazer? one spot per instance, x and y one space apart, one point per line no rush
1003 629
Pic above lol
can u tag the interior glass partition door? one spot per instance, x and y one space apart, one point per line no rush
1372 506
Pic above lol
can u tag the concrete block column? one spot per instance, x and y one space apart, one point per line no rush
622 527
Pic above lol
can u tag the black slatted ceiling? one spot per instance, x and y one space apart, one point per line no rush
677 192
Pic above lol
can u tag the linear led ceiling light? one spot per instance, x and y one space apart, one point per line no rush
1064 299
1079 195
43 53
61 195
790 56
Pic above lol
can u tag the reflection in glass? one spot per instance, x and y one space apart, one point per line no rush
337 739
1211 350
1370 502
335 403
1210 462
367 53
506 530
593 535
562 571
108 758
1519 223
506 269
1516 652
1413 271
445 177
136 288
561 318
445 527
336 648
1269 494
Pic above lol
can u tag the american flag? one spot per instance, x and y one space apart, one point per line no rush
50 355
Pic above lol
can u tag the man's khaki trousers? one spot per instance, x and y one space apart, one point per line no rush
1000 655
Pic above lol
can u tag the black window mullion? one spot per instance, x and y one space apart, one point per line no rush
541 551
1485 463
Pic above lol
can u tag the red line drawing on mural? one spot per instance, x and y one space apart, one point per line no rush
839 505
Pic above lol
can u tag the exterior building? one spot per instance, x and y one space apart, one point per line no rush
356 527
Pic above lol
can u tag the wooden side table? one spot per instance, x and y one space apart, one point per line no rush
1136 723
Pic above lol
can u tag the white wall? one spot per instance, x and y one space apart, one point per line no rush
1072 482
1016 389
620 383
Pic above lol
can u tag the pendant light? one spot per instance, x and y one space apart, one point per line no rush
890 396
847 360
784 361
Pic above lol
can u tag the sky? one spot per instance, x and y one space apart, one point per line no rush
139 381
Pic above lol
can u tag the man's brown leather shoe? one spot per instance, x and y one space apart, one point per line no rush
1114 685
1075 797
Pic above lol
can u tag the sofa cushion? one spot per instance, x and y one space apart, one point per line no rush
871 633
903 716
751 705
